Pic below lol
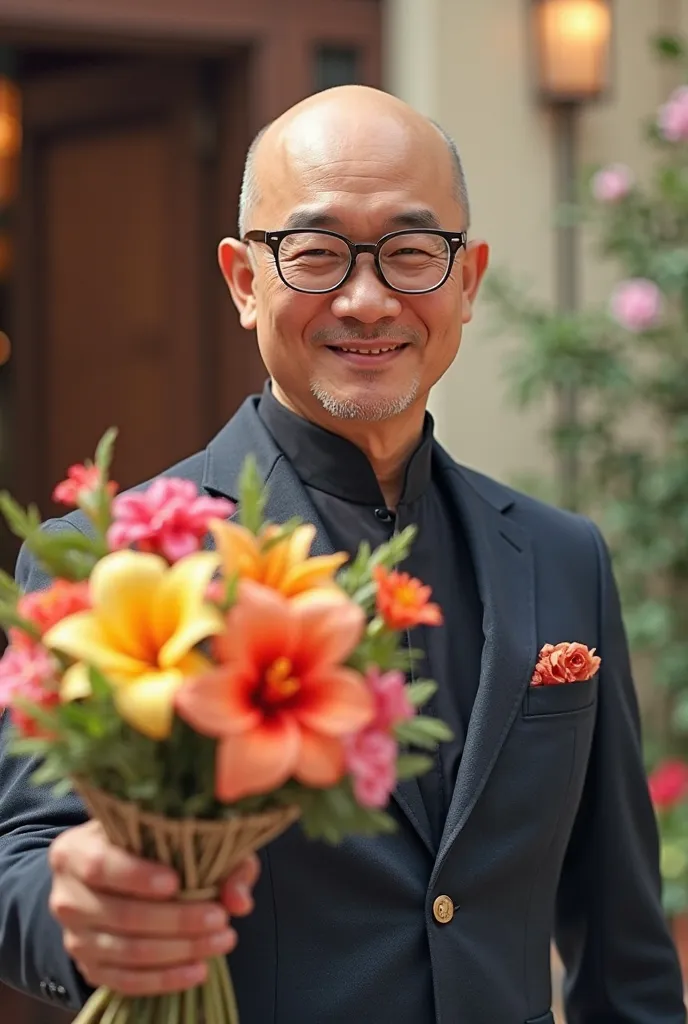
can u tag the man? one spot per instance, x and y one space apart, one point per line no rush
354 269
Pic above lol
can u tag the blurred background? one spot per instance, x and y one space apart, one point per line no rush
123 129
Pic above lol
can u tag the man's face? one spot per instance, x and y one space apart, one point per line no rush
362 181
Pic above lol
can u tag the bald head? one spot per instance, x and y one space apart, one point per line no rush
312 127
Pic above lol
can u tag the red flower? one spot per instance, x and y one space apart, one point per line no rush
28 673
81 481
403 601
668 784
169 518
45 608
565 663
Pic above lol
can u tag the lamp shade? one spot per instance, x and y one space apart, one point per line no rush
572 47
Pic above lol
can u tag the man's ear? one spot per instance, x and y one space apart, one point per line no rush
233 257
474 265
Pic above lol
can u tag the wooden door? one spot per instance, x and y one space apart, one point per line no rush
110 326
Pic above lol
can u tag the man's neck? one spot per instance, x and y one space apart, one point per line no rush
388 444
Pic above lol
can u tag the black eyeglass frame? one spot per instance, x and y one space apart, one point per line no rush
273 239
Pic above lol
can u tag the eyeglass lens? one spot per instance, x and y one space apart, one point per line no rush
315 261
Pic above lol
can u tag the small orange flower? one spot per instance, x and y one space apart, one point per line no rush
403 601
281 703
281 564
44 608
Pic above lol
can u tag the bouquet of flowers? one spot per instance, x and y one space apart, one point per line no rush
202 698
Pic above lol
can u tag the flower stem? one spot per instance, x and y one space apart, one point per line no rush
212 1013
144 1010
111 1014
228 994
190 1004
92 1011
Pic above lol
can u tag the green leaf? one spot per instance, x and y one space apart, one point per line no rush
421 691
23 524
102 689
105 452
9 589
252 496
409 766
669 46
424 732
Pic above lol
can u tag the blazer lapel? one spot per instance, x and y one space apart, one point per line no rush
245 434
503 560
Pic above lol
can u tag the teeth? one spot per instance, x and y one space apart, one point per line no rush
369 351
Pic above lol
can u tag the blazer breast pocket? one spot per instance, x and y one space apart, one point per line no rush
559 699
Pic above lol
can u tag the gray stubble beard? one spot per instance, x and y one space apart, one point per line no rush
370 410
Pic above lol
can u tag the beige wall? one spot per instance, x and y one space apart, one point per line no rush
465 63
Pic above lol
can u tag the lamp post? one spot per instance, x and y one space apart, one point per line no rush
572 54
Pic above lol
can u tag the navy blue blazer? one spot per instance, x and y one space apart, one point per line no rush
550 830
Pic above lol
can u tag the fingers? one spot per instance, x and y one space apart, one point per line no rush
145 966
144 983
122 925
236 893
85 853
79 908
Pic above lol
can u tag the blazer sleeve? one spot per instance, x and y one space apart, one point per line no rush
621 965
32 954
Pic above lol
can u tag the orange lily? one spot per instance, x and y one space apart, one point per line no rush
281 564
281 703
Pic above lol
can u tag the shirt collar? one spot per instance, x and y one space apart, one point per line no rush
332 464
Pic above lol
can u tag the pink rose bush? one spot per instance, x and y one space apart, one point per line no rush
672 119
613 183
636 304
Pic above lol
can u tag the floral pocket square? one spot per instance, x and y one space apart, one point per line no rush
565 663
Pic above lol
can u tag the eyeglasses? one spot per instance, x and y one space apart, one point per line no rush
413 262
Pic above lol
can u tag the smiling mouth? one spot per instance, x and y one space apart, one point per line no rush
367 350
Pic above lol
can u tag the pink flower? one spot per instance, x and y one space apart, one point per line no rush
636 304
392 703
29 673
668 784
612 183
169 518
81 481
371 757
672 119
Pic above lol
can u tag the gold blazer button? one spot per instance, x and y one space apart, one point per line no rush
443 909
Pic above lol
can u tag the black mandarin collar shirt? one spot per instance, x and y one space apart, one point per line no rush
344 491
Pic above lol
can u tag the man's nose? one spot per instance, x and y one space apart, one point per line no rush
365 297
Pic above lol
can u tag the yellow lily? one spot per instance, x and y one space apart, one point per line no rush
283 565
145 621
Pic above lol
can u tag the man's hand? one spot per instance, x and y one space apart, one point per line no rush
122 926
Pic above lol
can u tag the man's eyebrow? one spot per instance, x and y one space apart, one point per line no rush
311 218
420 218
316 217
